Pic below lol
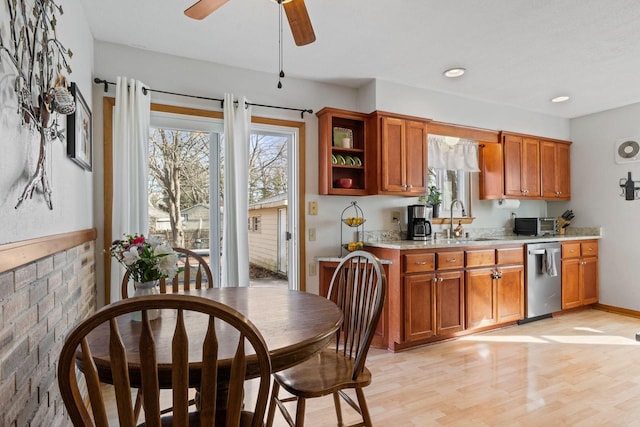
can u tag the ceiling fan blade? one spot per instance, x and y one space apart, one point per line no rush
203 8
299 22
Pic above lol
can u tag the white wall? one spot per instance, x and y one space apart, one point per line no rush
71 186
188 76
596 200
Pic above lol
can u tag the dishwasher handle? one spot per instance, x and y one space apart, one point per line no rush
543 251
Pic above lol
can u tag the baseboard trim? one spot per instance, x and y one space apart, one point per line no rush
14 255
617 310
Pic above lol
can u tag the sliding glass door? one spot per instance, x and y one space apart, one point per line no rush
186 203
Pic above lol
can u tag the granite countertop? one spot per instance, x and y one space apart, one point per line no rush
478 241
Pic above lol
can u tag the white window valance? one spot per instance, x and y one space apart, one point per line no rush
453 153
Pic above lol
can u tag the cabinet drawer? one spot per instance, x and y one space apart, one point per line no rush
571 250
589 248
510 256
450 260
418 263
480 257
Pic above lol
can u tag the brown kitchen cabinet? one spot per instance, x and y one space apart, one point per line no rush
329 172
579 273
555 169
521 166
401 143
419 306
429 291
434 297
525 167
449 302
494 281
491 179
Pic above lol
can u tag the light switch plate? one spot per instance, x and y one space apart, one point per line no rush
313 208
312 269
312 234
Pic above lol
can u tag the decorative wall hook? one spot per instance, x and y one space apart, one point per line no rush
629 188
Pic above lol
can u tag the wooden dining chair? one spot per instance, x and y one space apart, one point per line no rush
358 286
196 275
247 343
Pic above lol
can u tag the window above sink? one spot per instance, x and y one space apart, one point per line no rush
454 182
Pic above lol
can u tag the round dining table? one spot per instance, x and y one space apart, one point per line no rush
295 325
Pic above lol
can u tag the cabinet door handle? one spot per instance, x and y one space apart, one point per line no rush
420 262
410 186
589 249
451 259
441 279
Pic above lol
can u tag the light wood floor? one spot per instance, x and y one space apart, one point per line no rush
580 369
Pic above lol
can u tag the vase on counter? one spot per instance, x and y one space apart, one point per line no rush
142 289
435 210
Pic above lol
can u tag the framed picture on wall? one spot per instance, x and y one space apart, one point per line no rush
80 131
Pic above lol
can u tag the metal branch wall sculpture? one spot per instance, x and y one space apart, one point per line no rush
39 60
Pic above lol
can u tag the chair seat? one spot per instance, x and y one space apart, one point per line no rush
323 374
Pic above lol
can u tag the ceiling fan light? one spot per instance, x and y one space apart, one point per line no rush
454 72
561 98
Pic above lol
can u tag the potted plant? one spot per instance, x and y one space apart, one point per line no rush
434 199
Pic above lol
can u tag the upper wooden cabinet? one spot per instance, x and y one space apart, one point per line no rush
525 167
490 160
401 143
555 173
521 166
336 161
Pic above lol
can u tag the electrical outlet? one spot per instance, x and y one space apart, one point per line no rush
312 269
312 234
395 217
313 208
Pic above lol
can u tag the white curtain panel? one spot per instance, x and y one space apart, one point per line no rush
453 153
130 167
235 238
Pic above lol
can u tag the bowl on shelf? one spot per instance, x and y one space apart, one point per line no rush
344 182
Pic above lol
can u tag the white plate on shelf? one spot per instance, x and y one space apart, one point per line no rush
339 134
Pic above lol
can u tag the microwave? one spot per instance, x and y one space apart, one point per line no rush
535 226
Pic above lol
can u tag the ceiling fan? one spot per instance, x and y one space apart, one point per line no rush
295 9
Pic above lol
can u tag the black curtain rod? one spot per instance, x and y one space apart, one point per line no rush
145 90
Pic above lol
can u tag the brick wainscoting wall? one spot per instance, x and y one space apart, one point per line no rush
40 302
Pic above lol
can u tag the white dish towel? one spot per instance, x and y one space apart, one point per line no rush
549 266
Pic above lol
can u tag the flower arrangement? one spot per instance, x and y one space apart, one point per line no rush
146 259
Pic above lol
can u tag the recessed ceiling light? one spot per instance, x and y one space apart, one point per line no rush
562 98
454 72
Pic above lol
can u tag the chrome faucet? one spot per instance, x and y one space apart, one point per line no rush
453 202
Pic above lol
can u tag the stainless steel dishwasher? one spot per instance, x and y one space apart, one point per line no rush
543 286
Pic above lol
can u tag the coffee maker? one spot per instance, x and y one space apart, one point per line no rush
419 222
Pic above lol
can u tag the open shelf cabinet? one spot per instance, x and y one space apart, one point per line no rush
337 162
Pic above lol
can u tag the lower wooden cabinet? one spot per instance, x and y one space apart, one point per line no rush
510 294
579 273
480 304
494 295
449 302
435 294
433 304
419 306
